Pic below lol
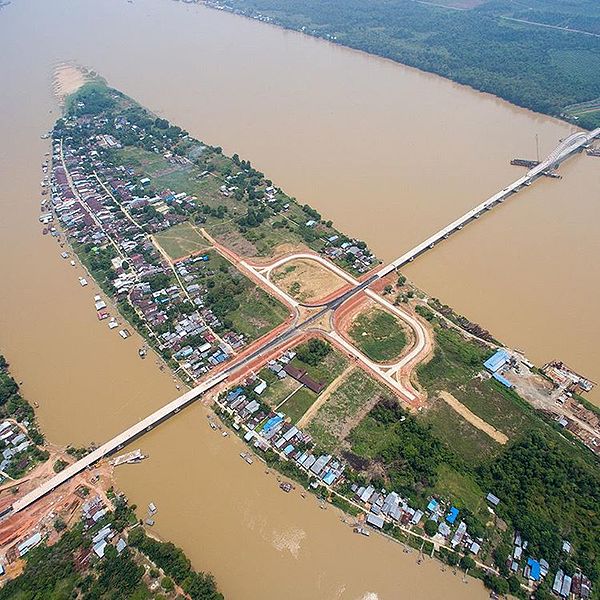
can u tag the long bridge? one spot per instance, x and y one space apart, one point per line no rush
569 146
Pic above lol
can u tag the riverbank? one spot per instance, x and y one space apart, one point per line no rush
456 45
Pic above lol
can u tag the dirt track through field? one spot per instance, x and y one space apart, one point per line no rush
472 418
316 405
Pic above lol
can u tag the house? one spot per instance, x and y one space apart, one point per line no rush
451 516
532 570
492 499
261 387
375 520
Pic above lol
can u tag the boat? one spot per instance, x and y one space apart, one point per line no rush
152 508
83 281
225 434
72 263
286 487
142 352
150 522
362 531
248 459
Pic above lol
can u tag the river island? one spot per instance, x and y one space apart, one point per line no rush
412 420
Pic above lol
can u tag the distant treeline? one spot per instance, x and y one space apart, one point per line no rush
536 67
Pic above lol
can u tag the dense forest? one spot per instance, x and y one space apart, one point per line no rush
539 65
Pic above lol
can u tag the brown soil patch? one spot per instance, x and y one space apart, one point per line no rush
306 280
472 418
236 242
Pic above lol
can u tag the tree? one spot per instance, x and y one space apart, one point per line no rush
430 527
466 562
513 584
59 525
167 584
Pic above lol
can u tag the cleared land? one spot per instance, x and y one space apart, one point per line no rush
257 313
181 240
455 368
344 408
306 280
378 334
472 418
470 443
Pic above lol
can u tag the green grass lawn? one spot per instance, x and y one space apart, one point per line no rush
378 334
298 404
277 389
181 240
336 417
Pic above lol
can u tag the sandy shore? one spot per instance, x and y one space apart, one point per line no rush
67 79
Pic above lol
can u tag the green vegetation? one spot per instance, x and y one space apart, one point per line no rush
324 363
548 486
172 560
236 301
454 368
14 406
334 420
313 352
378 334
540 68
181 240
277 389
407 452
56 572
257 313
550 491
469 442
298 404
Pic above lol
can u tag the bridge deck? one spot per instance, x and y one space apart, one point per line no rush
116 443
569 146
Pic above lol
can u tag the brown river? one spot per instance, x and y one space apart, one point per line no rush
389 153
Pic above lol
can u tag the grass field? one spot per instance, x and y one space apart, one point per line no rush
277 389
454 368
344 408
470 443
181 240
298 404
462 490
378 334
257 313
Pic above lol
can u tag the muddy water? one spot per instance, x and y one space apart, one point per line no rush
389 153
